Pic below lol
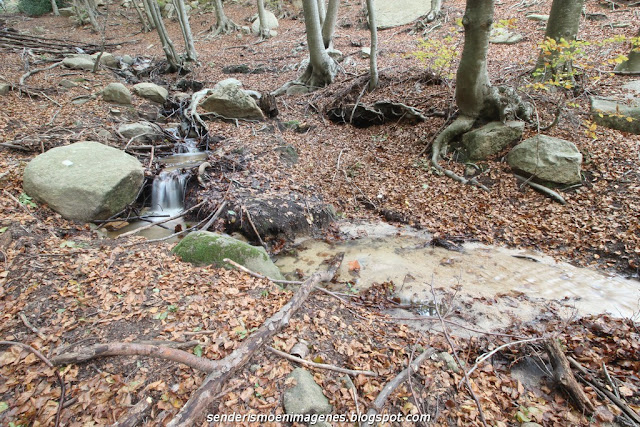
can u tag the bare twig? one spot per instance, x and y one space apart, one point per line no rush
146 227
215 216
321 365
542 189
37 70
50 365
30 326
253 226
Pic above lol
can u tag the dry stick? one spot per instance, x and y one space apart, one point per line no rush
136 414
609 380
134 349
384 394
255 230
455 355
215 216
616 400
170 236
37 70
13 146
564 377
321 365
146 227
202 398
50 365
542 189
30 326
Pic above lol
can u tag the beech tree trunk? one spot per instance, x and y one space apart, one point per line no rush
472 79
183 19
321 11
329 24
224 25
54 7
564 23
262 18
321 69
167 45
373 58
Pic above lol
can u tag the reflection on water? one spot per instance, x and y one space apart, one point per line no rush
404 256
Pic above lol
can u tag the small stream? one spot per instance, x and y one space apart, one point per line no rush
512 282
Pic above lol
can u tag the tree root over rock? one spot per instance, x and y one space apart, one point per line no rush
460 125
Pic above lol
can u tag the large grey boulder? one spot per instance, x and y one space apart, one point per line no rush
151 91
79 62
305 397
4 88
504 36
106 59
400 12
84 181
620 115
548 159
271 22
490 139
117 93
206 248
66 11
139 131
229 100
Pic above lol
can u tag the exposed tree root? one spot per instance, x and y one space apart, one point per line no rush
225 26
542 189
461 125
321 365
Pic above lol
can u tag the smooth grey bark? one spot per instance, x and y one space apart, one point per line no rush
147 11
373 58
54 7
564 23
321 11
91 14
436 5
329 24
263 30
224 25
183 19
167 45
146 27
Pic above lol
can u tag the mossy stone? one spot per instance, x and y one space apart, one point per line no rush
207 248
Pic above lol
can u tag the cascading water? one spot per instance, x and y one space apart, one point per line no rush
168 191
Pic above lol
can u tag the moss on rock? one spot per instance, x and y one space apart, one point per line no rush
206 248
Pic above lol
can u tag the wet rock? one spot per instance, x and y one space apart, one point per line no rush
305 397
151 91
400 12
624 114
228 100
547 159
140 131
271 22
206 248
490 139
84 181
127 59
116 93
79 62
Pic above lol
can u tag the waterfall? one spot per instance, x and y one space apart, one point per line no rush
167 193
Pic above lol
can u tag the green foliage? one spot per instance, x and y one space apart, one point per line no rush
438 55
26 200
37 7
506 23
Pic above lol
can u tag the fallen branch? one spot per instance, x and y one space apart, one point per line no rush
215 216
542 189
30 326
146 227
320 365
136 414
50 365
13 146
590 381
384 394
485 356
135 349
564 377
28 74
201 399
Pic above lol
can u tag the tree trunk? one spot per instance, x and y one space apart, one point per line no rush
321 69
564 22
329 24
321 11
167 44
147 11
224 25
373 58
54 7
472 80
183 19
436 5
262 18
145 25
91 14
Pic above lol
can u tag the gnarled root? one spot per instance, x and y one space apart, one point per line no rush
225 26
460 125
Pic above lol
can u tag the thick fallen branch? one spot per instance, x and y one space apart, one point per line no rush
564 377
202 398
134 349
589 380
28 74
136 414
320 365
542 189
50 365
384 394
146 227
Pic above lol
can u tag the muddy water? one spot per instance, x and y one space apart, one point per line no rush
523 281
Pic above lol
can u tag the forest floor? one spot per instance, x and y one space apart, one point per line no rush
75 289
